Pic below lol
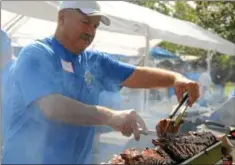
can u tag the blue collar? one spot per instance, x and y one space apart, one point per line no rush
61 51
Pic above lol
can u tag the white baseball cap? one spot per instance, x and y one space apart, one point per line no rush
89 8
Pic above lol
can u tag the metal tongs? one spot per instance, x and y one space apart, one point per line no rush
229 130
179 118
149 132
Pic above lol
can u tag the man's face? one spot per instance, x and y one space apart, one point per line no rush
78 29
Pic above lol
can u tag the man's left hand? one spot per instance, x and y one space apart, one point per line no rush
182 85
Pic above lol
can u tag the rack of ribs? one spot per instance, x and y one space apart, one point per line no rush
147 156
181 148
171 149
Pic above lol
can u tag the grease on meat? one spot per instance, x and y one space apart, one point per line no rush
171 149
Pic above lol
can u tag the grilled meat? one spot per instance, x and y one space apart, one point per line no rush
171 149
166 126
181 148
148 156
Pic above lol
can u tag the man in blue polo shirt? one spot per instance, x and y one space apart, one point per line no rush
51 108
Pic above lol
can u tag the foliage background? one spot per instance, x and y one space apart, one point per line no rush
215 16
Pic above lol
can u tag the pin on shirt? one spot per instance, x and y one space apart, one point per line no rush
88 77
67 66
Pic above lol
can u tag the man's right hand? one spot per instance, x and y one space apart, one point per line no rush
127 122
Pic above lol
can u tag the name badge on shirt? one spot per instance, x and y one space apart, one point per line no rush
67 66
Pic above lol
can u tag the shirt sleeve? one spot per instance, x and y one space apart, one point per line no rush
35 73
114 72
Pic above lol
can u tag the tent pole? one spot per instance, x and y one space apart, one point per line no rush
146 63
209 58
18 25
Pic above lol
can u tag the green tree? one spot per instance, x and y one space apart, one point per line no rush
160 6
218 17
181 10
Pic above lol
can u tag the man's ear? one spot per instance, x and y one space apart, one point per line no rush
61 17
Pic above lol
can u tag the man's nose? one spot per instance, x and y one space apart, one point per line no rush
91 30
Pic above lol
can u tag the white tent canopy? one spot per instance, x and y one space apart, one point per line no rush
110 42
135 20
117 43
47 10
168 28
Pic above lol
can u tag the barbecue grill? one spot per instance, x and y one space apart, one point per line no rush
212 155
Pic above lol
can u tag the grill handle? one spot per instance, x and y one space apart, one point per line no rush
213 123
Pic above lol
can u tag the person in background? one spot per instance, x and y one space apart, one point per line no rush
232 93
192 73
205 83
171 90
52 106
